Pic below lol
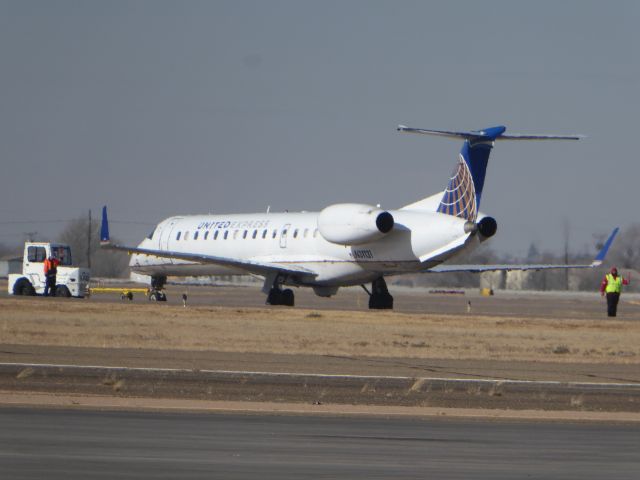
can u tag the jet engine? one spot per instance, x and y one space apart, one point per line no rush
487 227
354 223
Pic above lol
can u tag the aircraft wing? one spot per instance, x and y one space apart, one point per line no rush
259 268
597 261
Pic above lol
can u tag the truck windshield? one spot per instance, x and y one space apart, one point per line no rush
63 254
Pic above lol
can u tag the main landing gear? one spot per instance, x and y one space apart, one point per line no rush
275 294
278 296
379 297
155 292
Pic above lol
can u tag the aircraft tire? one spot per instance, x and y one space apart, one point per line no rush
287 297
381 302
156 296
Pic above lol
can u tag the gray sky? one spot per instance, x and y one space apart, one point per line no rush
158 108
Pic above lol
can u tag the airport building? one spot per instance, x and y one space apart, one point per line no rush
10 264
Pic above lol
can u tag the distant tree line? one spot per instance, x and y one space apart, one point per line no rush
104 263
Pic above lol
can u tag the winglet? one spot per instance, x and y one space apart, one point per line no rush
605 248
104 230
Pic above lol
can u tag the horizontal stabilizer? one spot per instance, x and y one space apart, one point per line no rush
490 134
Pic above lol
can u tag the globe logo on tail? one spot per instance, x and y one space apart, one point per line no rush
459 199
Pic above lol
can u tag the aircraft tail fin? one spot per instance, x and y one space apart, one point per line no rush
462 196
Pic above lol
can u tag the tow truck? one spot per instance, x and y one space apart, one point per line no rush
70 281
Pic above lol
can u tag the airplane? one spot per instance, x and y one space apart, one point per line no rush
344 244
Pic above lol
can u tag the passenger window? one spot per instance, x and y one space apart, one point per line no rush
226 234
275 232
264 233
244 234
195 236
206 234
295 233
235 234
306 232
178 235
215 235
255 233
186 235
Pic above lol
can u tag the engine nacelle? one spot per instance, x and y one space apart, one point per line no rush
354 223
487 227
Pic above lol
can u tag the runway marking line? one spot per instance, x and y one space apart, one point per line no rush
587 385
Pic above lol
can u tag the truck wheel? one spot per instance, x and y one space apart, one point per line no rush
23 287
62 291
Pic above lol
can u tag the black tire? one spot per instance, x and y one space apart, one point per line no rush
62 291
287 297
23 287
157 297
381 302
274 297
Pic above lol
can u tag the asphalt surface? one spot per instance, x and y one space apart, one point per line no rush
321 364
62 444
584 305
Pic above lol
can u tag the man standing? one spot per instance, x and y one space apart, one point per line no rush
612 286
50 272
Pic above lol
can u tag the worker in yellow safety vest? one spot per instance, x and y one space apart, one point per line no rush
612 286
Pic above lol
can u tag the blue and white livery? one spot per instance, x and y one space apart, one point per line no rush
344 244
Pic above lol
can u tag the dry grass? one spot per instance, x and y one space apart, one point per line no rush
60 322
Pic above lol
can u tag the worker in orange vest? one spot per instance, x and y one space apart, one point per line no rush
612 286
50 272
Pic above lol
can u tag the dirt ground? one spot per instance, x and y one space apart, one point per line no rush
531 337
530 329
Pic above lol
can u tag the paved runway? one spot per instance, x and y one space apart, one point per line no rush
62 444
505 303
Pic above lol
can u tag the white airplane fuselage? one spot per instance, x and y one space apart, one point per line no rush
344 244
294 239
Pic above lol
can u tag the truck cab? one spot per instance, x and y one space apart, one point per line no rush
70 281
